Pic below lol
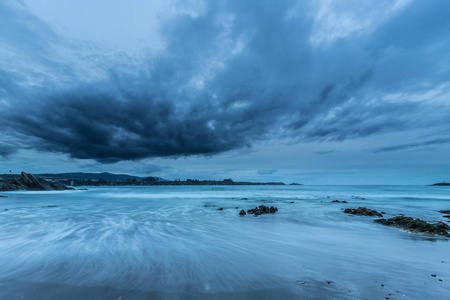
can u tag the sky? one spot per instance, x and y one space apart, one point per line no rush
315 92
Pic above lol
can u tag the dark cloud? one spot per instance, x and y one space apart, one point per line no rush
267 172
414 145
239 72
324 152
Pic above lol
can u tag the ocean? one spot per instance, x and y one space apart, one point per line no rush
173 242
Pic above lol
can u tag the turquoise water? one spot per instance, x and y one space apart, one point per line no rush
163 243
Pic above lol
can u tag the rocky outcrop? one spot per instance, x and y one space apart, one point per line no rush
29 182
416 225
262 209
363 211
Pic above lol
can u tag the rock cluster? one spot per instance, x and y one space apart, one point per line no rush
337 201
364 211
29 182
416 225
262 209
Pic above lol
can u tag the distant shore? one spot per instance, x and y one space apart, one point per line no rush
26 181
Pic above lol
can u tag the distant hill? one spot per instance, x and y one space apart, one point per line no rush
81 175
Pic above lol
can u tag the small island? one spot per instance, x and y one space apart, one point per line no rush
443 183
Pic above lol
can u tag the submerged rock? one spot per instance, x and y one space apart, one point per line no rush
416 225
220 208
364 211
242 213
262 209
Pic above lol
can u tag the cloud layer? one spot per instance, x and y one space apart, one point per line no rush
230 73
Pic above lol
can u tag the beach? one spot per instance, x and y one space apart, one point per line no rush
173 242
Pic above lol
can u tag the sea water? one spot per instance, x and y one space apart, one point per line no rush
172 242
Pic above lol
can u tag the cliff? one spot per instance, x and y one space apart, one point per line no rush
29 182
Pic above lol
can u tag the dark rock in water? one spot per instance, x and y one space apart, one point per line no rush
244 199
416 225
30 182
364 211
446 211
237 207
83 189
242 213
291 202
433 275
220 208
209 205
5 209
262 209
52 206
1 196
337 201
446 216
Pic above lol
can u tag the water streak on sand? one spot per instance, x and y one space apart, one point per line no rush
159 242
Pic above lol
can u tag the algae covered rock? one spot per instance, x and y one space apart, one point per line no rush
416 225
363 211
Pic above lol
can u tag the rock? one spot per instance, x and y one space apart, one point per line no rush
446 216
209 205
337 201
262 209
242 213
52 206
433 275
416 225
83 189
291 202
1 196
446 211
244 199
364 211
30 182
220 208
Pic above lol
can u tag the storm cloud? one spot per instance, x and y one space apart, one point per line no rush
230 73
